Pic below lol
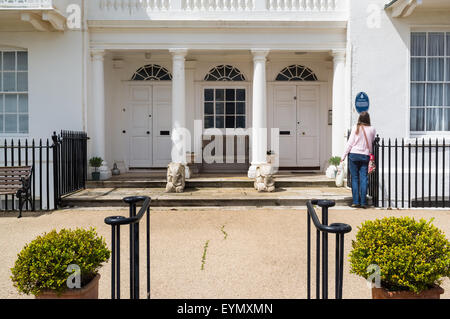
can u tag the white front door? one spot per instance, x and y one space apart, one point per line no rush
285 115
162 125
149 108
308 126
296 114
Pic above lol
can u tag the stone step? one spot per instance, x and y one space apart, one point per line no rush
207 183
209 197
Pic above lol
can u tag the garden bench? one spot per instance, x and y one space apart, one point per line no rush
16 181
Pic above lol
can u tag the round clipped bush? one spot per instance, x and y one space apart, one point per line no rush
43 264
412 256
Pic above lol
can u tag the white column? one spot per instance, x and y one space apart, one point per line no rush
179 106
338 128
259 111
98 133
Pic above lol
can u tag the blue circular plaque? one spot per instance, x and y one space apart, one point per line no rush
362 102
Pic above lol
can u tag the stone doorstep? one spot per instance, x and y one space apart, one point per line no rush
210 197
205 183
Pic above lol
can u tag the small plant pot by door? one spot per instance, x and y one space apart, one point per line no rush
382 293
90 291
95 176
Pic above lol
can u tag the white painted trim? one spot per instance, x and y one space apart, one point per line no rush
321 47
297 82
115 25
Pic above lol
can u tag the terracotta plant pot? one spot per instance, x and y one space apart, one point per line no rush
90 291
382 293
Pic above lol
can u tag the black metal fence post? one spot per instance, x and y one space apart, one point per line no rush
56 152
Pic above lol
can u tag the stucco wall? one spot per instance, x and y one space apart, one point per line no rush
54 79
380 61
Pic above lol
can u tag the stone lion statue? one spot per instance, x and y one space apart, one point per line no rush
176 178
264 180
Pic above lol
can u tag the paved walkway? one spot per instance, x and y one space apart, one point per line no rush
251 253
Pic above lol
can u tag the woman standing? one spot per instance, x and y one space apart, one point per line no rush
358 148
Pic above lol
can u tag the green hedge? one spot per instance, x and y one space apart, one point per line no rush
42 264
411 255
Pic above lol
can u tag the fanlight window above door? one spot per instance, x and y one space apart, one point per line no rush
296 73
224 73
152 72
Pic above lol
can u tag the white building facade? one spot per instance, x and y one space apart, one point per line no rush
136 74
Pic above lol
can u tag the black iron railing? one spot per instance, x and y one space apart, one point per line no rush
59 167
36 154
322 230
414 173
133 221
70 152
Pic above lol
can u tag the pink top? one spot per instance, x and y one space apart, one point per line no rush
357 143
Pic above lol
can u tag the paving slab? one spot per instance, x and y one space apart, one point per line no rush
209 196
251 253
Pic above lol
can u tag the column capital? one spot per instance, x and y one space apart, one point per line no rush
178 53
338 55
97 54
259 54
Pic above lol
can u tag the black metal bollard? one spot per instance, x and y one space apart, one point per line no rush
114 221
336 228
134 246
133 221
325 204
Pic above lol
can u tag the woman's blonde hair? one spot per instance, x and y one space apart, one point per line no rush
364 119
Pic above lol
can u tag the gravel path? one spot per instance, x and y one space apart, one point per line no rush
210 252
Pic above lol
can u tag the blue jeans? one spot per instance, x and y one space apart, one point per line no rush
358 164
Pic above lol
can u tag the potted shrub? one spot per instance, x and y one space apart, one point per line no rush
332 169
411 257
45 267
95 162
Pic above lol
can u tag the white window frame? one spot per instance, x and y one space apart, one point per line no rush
225 85
417 134
3 95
